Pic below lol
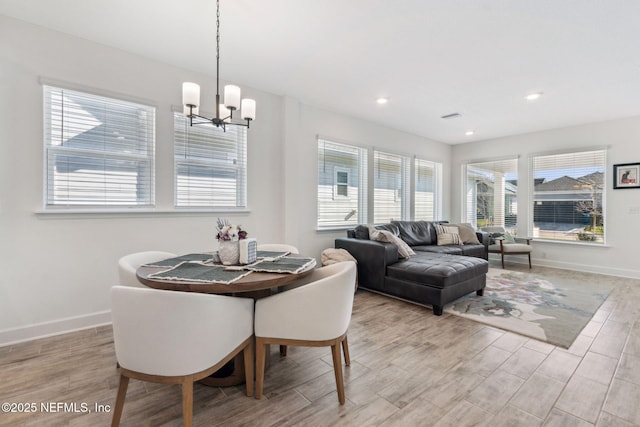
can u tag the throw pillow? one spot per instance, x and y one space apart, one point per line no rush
404 250
448 235
467 233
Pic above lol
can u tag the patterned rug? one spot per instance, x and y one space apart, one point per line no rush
551 309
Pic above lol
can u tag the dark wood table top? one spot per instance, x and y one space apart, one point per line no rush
256 281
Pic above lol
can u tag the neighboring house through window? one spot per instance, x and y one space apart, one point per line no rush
99 151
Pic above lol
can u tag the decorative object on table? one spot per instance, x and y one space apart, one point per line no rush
626 175
228 237
248 251
553 308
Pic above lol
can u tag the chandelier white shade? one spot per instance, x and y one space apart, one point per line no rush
224 108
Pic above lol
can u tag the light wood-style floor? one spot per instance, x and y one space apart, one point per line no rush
409 368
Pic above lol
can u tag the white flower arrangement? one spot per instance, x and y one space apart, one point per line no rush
229 232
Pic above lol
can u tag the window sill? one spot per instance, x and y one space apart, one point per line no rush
335 229
133 212
571 242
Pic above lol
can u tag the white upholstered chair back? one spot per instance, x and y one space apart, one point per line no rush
128 264
320 310
173 337
176 333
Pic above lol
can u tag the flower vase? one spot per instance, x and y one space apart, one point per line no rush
229 252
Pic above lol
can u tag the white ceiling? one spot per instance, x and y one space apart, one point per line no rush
478 58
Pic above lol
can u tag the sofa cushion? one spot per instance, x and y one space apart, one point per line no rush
438 270
416 233
450 249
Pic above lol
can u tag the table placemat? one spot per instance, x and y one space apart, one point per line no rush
282 265
172 262
197 272
271 254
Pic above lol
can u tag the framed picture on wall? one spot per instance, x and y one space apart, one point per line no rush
626 175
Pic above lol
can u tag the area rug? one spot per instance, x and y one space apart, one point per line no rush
547 308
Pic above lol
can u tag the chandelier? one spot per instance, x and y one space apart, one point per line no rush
224 110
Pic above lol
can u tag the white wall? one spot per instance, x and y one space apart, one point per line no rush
619 255
56 270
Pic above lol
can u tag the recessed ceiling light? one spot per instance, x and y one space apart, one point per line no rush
382 100
469 132
533 96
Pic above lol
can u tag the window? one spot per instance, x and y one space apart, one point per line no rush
342 184
341 187
210 165
391 191
491 190
567 196
99 151
427 190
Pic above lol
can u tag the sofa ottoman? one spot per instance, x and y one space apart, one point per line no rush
436 279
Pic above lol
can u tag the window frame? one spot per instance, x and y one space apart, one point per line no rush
324 145
402 195
436 169
503 163
181 141
58 99
577 155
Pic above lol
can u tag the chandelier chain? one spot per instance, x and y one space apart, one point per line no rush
218 46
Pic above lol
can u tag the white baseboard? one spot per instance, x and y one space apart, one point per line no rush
54 327
598 269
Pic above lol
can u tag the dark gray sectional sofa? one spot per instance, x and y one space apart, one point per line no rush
436 275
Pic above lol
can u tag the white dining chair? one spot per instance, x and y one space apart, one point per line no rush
128 264
172 337
316 314
277 247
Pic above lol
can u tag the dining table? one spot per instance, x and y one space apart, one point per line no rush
255 281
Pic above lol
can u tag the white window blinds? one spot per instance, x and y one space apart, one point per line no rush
427 193
99 151
342 184
210 165
567 197
392 196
